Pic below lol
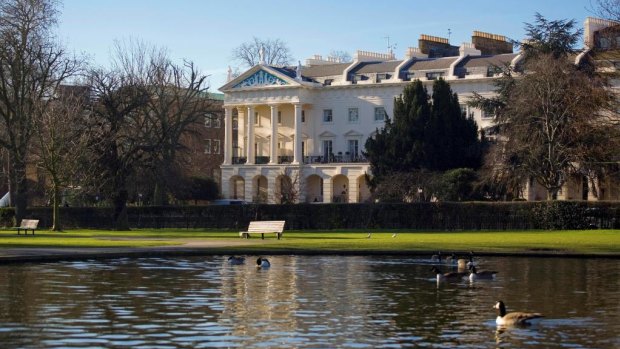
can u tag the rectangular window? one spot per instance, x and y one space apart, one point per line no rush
256 118
207 146
327 115
279 117
353 115
487 115
434 75
208 118
215 146
353 146
380 114
216 122
303 116
327 149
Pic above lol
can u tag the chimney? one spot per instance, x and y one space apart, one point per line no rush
491 44
436 47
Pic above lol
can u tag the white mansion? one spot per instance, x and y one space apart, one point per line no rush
303 128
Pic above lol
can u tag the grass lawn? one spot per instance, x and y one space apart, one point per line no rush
573 241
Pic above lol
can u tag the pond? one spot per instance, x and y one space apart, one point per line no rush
305 302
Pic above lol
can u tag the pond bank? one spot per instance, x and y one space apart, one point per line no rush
222 247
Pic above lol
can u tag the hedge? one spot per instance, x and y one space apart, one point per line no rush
440 216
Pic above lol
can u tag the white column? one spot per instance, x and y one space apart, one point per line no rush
273 153
227 135
250 145
297 156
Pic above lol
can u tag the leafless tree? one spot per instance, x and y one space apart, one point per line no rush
274 51
32 66
145 103
291 183
340 56
608 9
120 132
552 124
60 143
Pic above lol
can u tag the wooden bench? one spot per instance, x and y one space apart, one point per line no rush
27 224
262 228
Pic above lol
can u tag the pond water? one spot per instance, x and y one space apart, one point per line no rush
305 302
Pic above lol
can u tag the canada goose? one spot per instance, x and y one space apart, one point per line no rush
451 259
234 260
394 235
481 275
453 276
368 236
465 263
514 318
262 263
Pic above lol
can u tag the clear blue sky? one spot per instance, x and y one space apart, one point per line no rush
207 31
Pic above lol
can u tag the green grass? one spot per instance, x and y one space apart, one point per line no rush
574 241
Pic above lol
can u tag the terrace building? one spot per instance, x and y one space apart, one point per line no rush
296 134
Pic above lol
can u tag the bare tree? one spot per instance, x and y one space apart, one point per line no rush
340 56
120 141
145 104
291 183
32 66
551 121
273 51
608 9
60 143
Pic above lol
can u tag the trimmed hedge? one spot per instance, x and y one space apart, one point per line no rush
439 216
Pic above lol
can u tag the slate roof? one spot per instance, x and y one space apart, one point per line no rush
324 69
376 67
485 61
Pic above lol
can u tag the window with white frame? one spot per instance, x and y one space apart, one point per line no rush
327 148
215 146
353 115
380 113
216 122
353 147
328 115
208 120
487 115
207 146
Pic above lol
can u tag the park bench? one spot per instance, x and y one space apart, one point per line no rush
27 224
262 228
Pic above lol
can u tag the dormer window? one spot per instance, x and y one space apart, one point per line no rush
434 75
384 76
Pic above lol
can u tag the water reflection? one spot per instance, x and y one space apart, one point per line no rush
305 302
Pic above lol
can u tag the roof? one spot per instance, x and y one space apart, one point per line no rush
485 61
432 63
376 67
324 69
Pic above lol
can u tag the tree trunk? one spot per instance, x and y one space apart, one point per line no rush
19 189
55 211
121 219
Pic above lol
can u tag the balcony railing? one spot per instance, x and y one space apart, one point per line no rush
312 159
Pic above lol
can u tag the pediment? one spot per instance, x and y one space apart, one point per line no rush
259 76
353 133
327 134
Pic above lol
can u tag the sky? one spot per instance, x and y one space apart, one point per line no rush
207 31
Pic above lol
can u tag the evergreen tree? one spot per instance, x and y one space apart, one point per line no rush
424 134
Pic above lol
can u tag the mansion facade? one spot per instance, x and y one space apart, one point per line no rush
296 134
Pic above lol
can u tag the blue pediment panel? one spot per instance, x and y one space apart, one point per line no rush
261 78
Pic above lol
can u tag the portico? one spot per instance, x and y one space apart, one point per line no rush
272 146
